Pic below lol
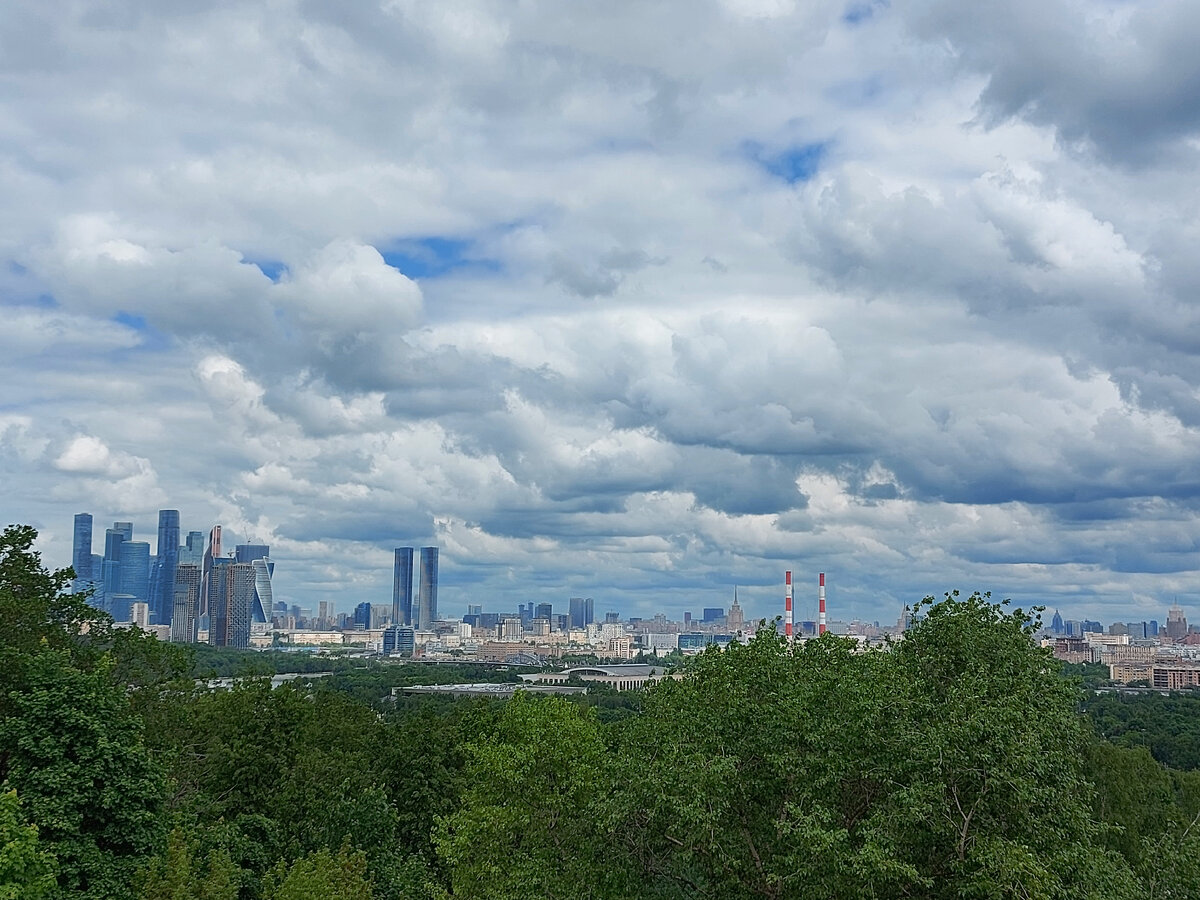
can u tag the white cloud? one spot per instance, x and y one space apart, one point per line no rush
551 285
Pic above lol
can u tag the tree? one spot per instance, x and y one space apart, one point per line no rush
531 823
320 876
26 869
69 743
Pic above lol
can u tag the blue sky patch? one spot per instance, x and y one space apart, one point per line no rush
272 268
429 257
793 164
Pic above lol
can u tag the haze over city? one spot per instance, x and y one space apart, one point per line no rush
634 302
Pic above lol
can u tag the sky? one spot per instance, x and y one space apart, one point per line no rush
636 301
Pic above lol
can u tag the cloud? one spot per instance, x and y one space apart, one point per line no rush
632 302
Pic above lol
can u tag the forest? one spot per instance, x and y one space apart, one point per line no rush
960 762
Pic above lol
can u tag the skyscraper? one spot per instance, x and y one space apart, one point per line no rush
211 554
254 554
427 594
230 596
81 552
582 611
110 566
163 602
186 602
402 587
264 598
544 611
192 552
134 576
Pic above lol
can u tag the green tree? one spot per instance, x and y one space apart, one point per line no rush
69 743
178 875
531 823
320 876
26 869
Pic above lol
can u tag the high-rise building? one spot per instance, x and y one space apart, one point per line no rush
230 596
427 610
134 574
139 614
736 620
212 553
713 613
362 615
81 552
110 566
163 601
1056 623
1176 622
186 602
192 551
248 553
402 587
260 610
259 556
582 611
544 611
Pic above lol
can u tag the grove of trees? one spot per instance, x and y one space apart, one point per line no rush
957 763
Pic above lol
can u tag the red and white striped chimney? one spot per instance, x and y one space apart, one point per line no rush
821 606
787 604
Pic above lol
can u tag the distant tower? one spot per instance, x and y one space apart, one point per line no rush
427 593
736 620
821 605
162 604
187 604
1176 622
787 604
1056 624
230 597
211 554
402 587
81 552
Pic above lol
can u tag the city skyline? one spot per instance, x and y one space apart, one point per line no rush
635 302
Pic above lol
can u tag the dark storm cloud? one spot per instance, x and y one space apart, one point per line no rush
1120 78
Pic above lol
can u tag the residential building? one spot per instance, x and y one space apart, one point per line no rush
186 601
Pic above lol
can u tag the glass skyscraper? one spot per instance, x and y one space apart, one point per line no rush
133 576
427 592
81 552
402 587
162 604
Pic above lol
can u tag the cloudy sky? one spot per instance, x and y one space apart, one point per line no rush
630 300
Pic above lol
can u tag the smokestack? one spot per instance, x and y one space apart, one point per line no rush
821 606
787 605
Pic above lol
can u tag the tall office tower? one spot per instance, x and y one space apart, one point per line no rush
230 596
260 609
1176 622
402 582
323 611
582 611
474 609
248 553
192 551
212 553
427 610
163 601
134 576
81 552
110 566
362 615
125 529
544 611
187 603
